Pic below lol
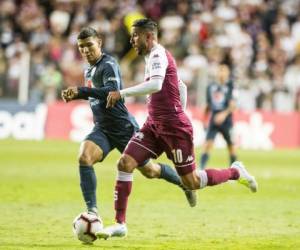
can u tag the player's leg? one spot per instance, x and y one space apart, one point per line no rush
209 142
93 149
150 169
126 165
123 186
180 149
89 154
228 137
154 170
140 148
198 179
164 171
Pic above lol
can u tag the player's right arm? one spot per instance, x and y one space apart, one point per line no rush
157 69
109 77
69 94
111 81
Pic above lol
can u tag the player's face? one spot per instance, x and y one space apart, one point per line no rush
223 73
90 49
138 41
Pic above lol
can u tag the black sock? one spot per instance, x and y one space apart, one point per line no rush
169 174
204 159
88 184
233 158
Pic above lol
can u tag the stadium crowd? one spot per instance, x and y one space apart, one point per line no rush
259 39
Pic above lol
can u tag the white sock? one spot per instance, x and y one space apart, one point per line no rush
123 176
203 178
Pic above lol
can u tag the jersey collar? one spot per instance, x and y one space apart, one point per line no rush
99 59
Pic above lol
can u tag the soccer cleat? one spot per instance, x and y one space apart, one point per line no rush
116 230
245 178
191 197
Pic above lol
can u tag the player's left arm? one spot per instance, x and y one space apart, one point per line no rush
110 79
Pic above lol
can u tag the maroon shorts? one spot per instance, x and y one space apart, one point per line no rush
151 141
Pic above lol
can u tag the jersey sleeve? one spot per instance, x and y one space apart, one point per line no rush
183 94
158 63
110 77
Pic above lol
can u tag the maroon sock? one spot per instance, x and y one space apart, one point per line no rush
217 176
122 191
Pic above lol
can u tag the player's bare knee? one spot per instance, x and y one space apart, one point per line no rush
125 165
148 172
85 159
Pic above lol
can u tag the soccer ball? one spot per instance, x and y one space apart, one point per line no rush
85 226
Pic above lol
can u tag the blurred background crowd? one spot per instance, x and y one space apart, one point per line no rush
259 39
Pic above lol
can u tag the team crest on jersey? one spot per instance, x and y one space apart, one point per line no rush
218 97
139 136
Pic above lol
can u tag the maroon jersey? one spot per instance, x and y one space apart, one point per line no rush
164 107
167 128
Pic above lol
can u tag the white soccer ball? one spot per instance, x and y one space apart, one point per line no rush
85 226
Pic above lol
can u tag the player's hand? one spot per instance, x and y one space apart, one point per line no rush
69 94
220 118
112 98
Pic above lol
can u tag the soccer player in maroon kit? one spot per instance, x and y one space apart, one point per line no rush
167 128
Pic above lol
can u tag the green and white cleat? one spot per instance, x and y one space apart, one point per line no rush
245 178
116 230
191 197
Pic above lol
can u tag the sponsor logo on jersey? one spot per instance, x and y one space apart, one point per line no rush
139 136
156 65
189 158
156 55
113 79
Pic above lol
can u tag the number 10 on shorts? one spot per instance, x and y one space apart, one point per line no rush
177 155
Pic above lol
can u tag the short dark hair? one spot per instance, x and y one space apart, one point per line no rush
146 24
87 32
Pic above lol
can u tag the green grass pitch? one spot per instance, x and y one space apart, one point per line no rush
40 196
